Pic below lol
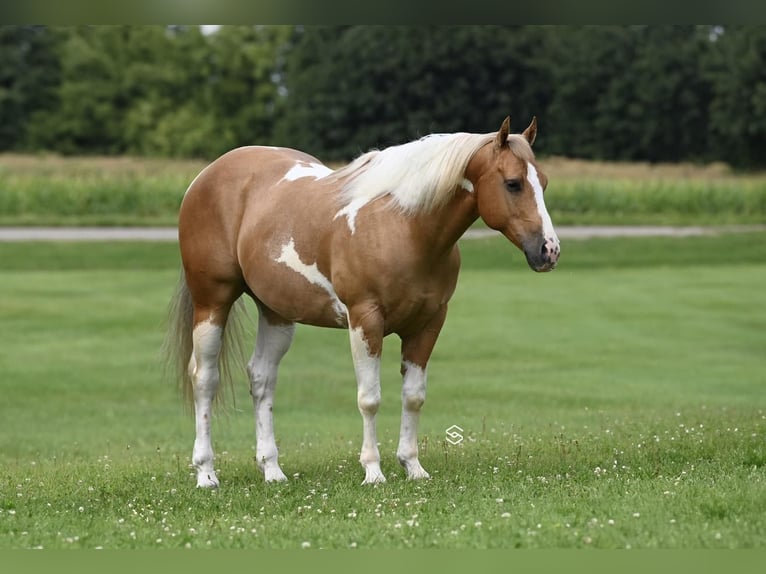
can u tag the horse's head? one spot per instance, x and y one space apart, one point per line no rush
509 193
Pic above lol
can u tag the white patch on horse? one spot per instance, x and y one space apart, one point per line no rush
203 368
311 273
413 396
351 210
367 368
467 185
271 344
306 169
548 231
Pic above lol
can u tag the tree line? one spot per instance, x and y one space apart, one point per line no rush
648 93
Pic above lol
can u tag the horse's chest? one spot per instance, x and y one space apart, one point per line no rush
408 288
411 302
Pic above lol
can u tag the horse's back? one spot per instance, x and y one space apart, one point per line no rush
226 182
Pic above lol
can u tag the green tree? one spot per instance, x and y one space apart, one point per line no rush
671 93
356 87
738 107
29 74
242 94
211 93
90 100
168 70
652 93
163 90
630 93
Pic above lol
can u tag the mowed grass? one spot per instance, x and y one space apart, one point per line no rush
619 401
49 190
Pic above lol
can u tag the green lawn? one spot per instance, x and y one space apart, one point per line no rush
619 401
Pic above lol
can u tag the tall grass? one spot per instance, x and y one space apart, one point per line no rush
49 190
657 201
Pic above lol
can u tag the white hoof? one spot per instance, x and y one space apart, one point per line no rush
417 472
207 480
274 474
373 475
413 469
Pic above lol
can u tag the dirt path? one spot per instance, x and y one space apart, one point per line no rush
169 233
88 234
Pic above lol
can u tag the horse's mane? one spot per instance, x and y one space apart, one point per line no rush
420 175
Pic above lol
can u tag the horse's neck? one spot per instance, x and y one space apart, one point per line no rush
442 228
461 211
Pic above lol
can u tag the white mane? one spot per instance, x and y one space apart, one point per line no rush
419 176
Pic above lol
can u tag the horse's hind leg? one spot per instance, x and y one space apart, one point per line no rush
207 338
272 342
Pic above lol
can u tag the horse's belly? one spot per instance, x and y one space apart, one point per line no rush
308 306
296 290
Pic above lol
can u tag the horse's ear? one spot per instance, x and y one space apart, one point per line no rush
531 132
502 135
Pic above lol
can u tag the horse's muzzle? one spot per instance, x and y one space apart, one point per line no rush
542 255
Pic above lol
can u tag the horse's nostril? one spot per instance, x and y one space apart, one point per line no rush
550 251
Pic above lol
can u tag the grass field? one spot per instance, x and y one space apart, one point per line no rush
617 402
48 190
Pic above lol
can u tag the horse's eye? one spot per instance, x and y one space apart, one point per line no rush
513 185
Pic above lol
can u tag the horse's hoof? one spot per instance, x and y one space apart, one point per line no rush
274 475
373 476
418 474
207 480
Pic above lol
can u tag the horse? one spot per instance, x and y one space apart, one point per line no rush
370 247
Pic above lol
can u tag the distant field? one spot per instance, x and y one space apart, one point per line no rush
49 190
617 402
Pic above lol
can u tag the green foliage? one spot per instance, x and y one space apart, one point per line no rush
649 93
738 108
629 93
29 74
154 90
618 401
359 87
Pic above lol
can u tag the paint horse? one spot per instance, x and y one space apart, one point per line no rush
371 247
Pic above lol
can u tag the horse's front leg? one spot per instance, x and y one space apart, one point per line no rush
366 337
416 350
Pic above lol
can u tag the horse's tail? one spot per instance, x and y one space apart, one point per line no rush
177 347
